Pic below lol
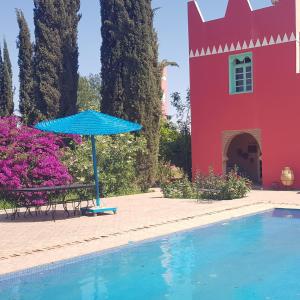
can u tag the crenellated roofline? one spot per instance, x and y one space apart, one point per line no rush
234 7
194 2
239 6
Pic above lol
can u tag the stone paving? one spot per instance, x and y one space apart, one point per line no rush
32 241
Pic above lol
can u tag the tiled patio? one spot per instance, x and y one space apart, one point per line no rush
31 241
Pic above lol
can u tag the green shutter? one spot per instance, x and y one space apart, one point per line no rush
240 75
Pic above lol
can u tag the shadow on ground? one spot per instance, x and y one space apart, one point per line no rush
42 217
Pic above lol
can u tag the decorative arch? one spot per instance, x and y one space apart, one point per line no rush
229 135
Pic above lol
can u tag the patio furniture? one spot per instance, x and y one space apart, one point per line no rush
90 123
27 198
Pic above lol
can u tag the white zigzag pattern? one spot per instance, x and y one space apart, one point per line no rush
292 37
251 44
258 44
285 39
280 39
271 42
265 42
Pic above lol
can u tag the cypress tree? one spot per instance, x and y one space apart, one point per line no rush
6 58
56 56
47 59
131 73
69 32
24 45
2 103
7 104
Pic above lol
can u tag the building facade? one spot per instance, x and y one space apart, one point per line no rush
245 90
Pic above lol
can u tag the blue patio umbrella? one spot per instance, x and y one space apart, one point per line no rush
90 123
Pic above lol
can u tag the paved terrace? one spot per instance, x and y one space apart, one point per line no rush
31 241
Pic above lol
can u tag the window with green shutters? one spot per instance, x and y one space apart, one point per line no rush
241 73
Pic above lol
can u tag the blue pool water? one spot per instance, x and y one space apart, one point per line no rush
256 257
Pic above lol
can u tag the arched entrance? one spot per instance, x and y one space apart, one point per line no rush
245 153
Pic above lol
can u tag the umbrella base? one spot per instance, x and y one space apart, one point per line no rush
98 210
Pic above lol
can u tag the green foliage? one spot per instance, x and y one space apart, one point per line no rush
211 186
167 173
222 187
166 63
56 57
183 110
69 32
47 59
117 163
6 58
236 186
6 88
169 135
175 138
25 63
2 103
131 74
180 189
89 92
4 204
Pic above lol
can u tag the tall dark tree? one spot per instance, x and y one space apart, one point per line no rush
131 74
69 32
48 58
7 102
56 56
6 58
27 104
2 103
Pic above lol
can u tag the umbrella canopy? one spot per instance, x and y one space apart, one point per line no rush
91 123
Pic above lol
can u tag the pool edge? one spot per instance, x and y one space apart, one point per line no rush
11 276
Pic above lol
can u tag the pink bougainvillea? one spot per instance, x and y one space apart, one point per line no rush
29 157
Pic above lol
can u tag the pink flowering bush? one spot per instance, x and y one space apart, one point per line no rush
30 158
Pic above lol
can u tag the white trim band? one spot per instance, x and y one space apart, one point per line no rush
205 51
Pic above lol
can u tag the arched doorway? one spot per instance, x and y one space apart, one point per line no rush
245 153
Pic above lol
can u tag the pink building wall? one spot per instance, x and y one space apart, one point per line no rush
273 108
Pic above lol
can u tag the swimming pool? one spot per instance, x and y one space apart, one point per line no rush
256 257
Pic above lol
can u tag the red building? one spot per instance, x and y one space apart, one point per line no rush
245 90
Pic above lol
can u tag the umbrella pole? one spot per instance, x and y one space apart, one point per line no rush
95 170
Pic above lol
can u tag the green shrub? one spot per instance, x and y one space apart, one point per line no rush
167 173
4 204
175 145
117 163
235 186
222 187
211 186
180 189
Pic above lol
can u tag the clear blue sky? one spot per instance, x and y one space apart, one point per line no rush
170 22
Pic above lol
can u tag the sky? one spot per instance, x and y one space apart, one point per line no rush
170 23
